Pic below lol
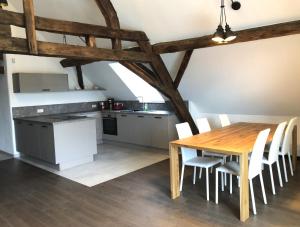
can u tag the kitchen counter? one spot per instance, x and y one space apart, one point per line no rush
52 119
58 140
147 112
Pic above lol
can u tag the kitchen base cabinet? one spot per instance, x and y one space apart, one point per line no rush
64 144
145 129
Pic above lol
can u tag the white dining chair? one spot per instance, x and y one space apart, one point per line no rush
224 120
190 158
274 153
286 146
203 126
255 168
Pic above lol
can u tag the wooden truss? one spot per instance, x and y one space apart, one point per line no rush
158 76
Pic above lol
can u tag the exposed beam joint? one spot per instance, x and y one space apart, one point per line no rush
30 26
90 41
111 18
183 67
264 32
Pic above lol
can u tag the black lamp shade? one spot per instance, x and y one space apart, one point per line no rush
229 34
219 35
3 3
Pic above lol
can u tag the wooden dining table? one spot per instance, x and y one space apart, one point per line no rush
236 139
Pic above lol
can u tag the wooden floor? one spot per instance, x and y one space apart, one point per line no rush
32 197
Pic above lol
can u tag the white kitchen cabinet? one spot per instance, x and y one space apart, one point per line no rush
149 130
99 127
160 131
142 130
126 123
63 144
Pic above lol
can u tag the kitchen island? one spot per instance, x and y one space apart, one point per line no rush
59 140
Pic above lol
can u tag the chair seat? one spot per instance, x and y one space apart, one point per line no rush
203 162
207 153
230 167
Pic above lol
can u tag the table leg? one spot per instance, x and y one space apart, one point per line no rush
244 188
294 147
174 172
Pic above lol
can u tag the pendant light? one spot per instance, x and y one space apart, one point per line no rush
223 34
3 3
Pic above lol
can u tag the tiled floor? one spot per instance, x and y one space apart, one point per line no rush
112 161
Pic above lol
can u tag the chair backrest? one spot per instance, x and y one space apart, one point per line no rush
287 140
184 131
224 120
255 165
203 125
277 138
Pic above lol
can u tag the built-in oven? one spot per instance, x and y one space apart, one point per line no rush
110 125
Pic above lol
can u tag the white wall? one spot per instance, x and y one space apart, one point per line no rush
101 74
6 140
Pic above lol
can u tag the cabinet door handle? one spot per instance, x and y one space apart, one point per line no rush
44 126
141 116
123 115
30 124
158 117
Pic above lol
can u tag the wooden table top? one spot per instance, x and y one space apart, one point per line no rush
237 138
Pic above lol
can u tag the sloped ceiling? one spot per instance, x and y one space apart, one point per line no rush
212 70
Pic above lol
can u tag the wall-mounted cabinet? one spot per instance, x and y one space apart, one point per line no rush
38 82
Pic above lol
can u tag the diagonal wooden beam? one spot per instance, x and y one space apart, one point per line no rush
264 32
142 72
111 18
30 26
19 46
183 66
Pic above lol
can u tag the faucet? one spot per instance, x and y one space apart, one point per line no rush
141 100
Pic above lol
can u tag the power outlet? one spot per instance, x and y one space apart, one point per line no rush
94 106
40 111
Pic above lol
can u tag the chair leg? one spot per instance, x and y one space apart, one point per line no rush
222 181
217 189
291 166
263 187
194 176
224 161
284 168
207 184
279 173
230 183
252 197
200 173
181 180
272 179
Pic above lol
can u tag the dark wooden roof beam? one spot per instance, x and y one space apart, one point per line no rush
71 28
19 46
264 32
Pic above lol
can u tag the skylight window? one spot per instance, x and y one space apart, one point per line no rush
142 90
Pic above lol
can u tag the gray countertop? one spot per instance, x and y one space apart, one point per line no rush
52 119
148 112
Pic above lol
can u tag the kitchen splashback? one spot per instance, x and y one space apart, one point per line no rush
30 111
